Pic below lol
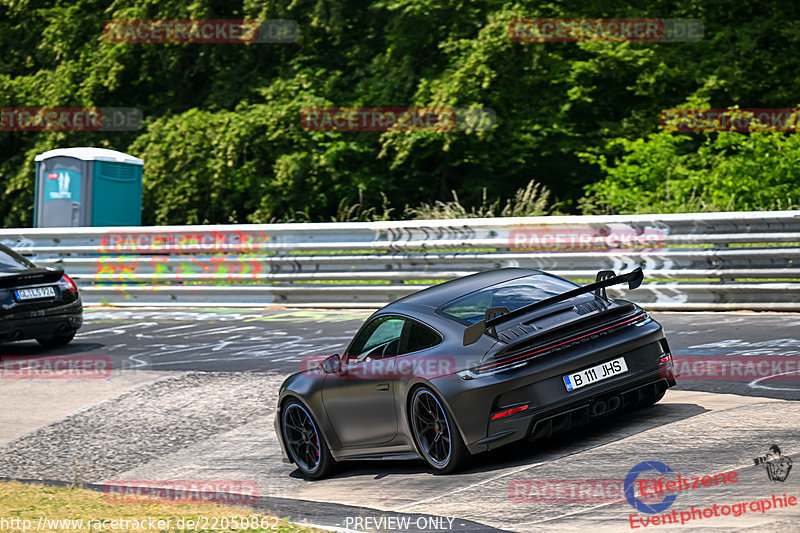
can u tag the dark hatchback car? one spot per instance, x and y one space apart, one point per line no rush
472 364
39 303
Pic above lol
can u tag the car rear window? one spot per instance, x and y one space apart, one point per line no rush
11 261
512 294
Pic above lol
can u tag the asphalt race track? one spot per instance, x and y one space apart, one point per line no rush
235 340
191 392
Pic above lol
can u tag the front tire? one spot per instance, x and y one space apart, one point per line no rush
52 341
435 433
304 441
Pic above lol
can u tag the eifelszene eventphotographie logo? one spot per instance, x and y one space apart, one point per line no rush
777 466
658 494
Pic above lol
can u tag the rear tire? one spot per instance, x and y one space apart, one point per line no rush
56 340
653 396
435 433
304 441
657 398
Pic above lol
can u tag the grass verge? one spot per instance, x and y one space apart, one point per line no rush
26 508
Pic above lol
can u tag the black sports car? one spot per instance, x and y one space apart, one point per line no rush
36 303
473 364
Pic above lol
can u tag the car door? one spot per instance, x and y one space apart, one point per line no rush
360 401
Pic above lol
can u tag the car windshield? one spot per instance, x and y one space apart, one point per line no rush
511 294
11 261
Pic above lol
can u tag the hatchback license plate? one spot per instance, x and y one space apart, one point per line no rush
33 294
596 373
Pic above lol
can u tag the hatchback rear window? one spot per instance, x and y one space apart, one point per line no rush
511 294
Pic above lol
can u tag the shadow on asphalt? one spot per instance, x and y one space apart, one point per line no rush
34 348
598 433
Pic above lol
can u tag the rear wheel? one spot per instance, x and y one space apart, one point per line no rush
656 396
435 433
56 340
305 442
651 395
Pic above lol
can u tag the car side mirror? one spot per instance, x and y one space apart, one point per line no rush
332 364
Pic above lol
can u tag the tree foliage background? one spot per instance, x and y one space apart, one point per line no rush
223 143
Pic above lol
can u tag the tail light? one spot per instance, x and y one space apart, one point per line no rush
511 411
667 367
66 280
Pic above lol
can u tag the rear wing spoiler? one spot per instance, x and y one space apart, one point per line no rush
494 316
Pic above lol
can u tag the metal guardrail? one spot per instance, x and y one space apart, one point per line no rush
691 261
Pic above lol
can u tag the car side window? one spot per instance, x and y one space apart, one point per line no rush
420 337
381 338
389 336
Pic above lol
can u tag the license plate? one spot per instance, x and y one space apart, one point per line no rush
38 292
596 373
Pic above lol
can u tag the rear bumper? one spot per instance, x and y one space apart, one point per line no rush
15 329
580 413
539 387
563 416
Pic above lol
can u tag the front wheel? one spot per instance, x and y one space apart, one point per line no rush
435 433
305 442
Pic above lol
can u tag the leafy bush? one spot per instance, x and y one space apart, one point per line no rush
223 141
669 173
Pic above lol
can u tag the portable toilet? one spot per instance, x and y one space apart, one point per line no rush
87 187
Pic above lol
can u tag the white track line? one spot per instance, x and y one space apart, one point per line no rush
522 469
500 476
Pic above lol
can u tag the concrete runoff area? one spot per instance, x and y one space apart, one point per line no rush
29 404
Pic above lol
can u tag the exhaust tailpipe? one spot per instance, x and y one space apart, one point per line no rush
613 403
598 408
